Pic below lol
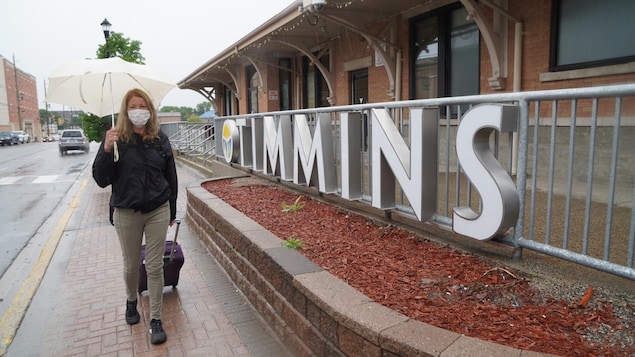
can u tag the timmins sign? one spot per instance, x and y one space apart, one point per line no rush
291 153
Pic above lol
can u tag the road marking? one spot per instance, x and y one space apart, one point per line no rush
14 314
46 179
9 180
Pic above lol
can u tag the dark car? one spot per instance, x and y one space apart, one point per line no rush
73 139
8 138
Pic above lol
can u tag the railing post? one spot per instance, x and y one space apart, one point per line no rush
521 175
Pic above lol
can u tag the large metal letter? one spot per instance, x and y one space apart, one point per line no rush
257 143
499 197
351 144
231 141
415 169
244 129
277 144
316 153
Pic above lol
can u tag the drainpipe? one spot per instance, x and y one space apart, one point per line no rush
398 77
398 66
518 46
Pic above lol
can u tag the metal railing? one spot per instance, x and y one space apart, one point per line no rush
572 159
191 139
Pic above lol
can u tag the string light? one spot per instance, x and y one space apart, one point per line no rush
310 18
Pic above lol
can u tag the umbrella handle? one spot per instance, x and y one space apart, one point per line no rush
115 151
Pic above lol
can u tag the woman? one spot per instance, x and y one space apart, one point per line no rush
136 158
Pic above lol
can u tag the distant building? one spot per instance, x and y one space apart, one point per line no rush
18 100
169 117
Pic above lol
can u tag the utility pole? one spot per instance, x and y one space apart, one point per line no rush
17 94
48 117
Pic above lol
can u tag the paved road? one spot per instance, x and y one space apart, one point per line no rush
34 178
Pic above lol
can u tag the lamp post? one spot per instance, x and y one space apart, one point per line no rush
105 26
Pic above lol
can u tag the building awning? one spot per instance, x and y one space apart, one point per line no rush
307 31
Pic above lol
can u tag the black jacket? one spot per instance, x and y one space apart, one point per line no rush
143 179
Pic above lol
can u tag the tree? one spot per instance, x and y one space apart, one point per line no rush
116 45
95 127
203 107
194 119
185 111
43 118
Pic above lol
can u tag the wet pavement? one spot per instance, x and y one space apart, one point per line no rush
78 308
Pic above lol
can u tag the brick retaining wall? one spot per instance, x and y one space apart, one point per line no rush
310 310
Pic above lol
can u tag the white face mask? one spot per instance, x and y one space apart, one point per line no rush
139 117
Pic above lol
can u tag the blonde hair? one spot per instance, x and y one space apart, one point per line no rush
124 126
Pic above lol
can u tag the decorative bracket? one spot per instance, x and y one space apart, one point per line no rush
328 76
492 42
376 44
259 71
235 77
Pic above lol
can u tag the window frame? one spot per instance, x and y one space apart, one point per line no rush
252 92
444 25
554 45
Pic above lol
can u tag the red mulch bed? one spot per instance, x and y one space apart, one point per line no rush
425 281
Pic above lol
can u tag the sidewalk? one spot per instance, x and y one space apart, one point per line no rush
79 307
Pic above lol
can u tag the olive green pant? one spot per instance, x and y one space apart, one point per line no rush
131 226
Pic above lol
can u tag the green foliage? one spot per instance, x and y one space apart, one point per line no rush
194 119
203 107
43 117
292 243
94 127
296 206
186 112
118 46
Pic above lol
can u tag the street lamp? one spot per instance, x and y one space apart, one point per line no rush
105 26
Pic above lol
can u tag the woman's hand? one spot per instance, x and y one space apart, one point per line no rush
111 137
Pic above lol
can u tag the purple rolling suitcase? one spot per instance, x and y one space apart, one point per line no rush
172 263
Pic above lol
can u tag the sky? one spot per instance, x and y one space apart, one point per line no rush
176 37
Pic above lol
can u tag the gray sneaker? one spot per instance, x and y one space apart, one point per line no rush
157 335
132 315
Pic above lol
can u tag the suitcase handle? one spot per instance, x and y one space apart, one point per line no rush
173 249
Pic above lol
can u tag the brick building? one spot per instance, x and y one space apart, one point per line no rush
319 53
169 117
18 100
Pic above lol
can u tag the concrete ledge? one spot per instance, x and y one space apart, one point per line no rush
313 312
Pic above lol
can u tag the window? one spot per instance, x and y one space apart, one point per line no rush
229 102
285 76
359 86
591 33
359 95
252 90
445 50
315 87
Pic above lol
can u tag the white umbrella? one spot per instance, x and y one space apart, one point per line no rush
97 86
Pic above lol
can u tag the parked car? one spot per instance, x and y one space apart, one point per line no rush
73 139
22 136
7 138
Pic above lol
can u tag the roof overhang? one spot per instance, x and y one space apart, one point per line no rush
299 30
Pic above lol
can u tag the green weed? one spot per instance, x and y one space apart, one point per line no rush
292 243
296 206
